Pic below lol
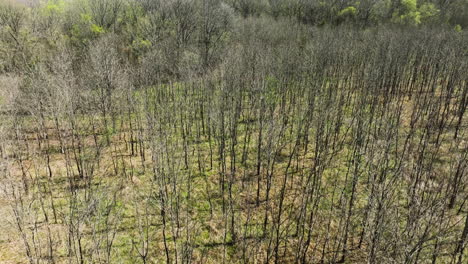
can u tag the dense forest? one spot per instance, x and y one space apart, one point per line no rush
233 131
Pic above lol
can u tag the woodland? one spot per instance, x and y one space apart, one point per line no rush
233 131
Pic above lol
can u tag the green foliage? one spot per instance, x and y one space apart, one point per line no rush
86 18
458 28
349 11
428 11
347 14
97 29
411 14
408 13
410 18
84 29
410 5
141 44
54 7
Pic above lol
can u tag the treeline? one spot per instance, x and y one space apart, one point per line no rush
212 131
361 13
190 33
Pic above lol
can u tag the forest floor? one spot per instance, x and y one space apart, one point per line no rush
130 178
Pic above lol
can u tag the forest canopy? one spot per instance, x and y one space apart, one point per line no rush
199 28
233 131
